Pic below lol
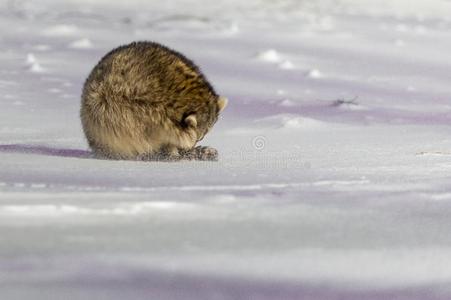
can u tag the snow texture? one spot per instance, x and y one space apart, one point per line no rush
334 175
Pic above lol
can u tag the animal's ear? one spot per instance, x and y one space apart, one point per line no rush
191 120
222 103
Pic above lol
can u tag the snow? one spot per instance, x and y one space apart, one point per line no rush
61 30
287 65
81 44
33 64
270 55
333 180
314 73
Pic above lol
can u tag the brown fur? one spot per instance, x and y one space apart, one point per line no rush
145 101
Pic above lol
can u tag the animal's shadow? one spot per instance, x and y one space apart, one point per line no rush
45 150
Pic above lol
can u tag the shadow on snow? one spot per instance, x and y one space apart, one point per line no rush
45 150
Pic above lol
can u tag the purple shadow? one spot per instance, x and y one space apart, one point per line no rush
45 150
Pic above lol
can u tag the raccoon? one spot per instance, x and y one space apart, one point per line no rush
145 101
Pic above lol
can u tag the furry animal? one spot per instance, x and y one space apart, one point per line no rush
146 101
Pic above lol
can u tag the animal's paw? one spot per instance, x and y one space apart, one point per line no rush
206 153
166 153
201 153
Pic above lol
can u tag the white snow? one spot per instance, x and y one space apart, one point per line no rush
33 64
314 73
83 43
287 65
290 121
61 30
334 175
270 55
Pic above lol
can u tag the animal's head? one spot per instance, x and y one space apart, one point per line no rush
202 120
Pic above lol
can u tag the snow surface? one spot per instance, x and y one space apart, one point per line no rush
334 176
